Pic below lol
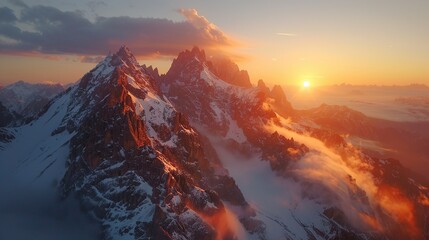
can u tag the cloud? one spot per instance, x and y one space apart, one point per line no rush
364 199
332 178
94 5
52 31
7 15
287 34
201 23
18 3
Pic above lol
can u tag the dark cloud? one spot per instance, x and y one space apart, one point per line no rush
60 32
94 5
7 15
18 3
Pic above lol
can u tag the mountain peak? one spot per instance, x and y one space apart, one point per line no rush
278 92
227 70
124 51
194 53
124 56
283 106
263 87
221 66
193 60
199 54
120 68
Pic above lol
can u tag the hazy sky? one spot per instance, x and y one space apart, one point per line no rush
283 42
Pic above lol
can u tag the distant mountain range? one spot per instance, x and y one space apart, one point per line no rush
200 153
22 100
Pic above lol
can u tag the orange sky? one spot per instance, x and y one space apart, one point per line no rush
284 42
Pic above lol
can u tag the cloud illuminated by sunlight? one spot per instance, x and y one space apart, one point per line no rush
201 23
147 37
323 167
398 206
348 176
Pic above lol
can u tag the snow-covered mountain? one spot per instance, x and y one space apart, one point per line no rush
306 165
134 161
190 155
27 99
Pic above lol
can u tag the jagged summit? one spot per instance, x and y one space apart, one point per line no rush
221 66
263 87
188 55
224 68
153 72
278 94
124 51
121 69
199 54
280 104
124 55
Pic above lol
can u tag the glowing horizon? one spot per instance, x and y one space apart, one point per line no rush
366 43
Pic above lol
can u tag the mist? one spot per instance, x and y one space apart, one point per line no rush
395 103
320 180
278 201
349 179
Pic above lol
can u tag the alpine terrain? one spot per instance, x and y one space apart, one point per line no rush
201 153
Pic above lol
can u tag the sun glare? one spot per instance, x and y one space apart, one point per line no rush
306 84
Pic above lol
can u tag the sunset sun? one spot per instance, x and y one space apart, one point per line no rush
306 84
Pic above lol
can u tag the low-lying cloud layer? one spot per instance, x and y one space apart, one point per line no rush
333 179
364 201
48 30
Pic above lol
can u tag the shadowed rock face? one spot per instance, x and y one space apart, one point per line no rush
7 117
